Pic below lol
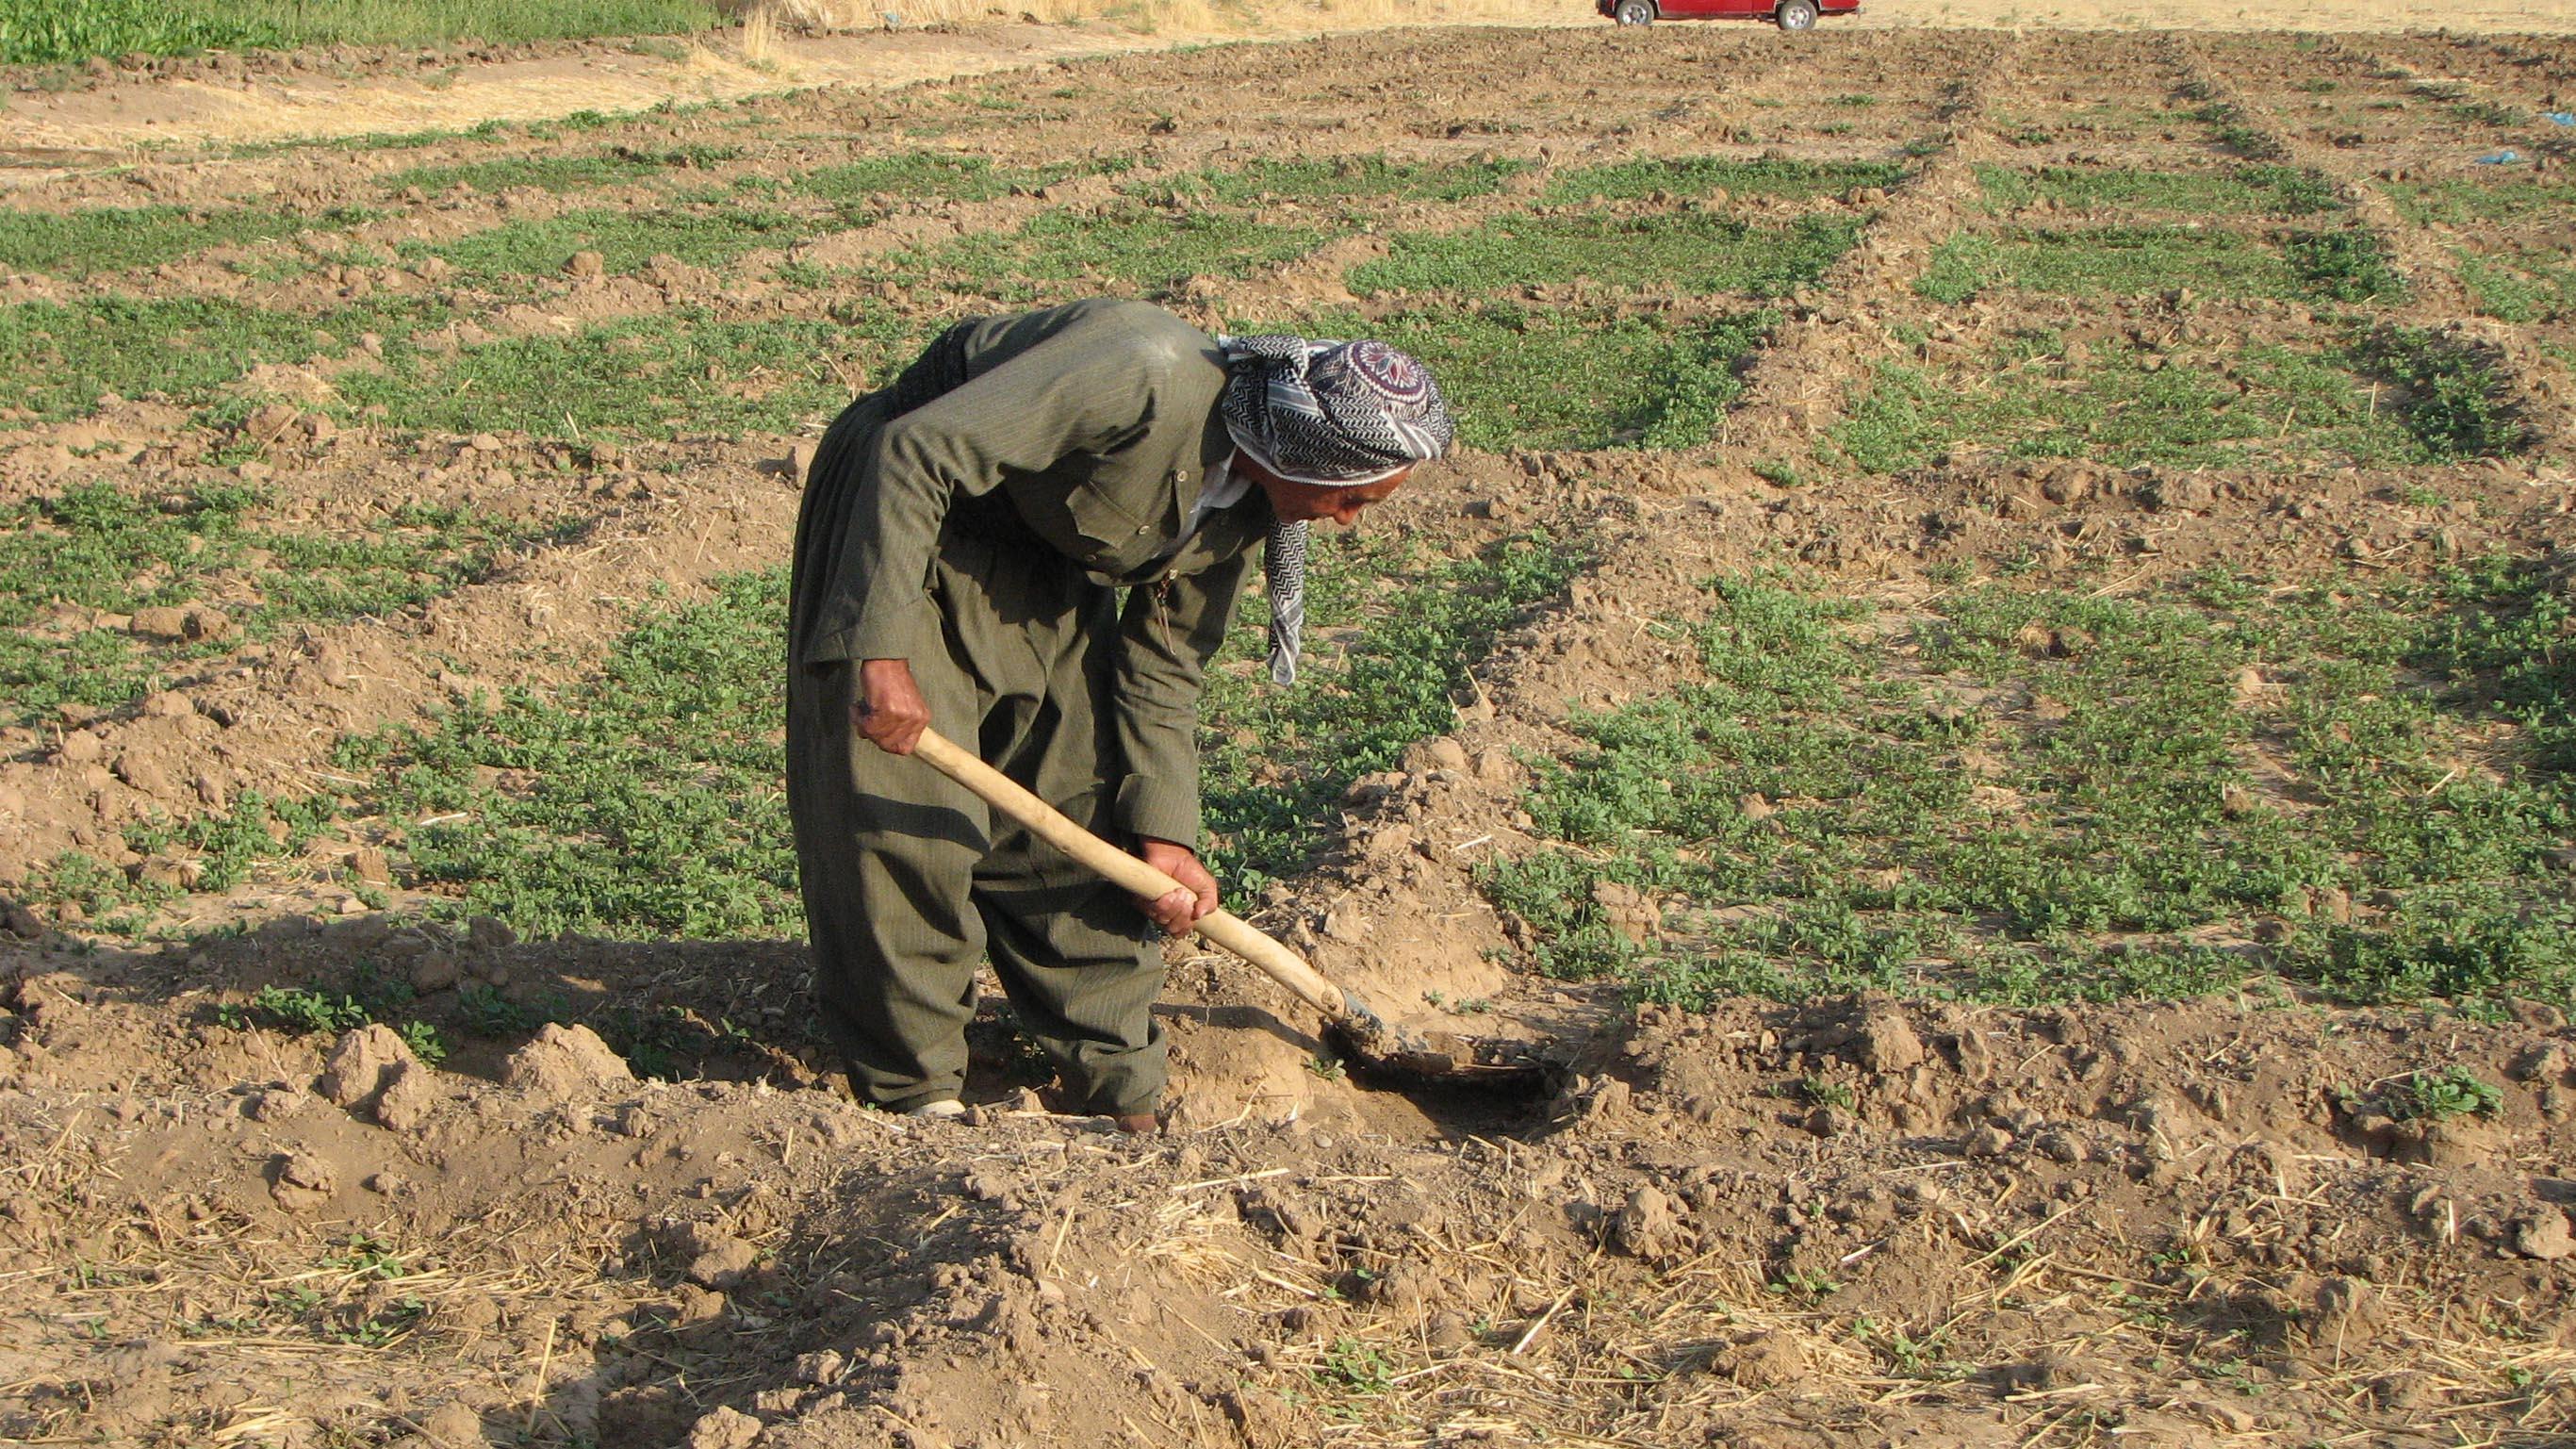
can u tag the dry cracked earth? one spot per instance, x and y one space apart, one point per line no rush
317 1127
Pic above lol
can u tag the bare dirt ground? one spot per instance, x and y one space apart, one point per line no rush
1845 1222
352 91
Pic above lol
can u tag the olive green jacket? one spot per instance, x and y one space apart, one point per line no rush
1097 420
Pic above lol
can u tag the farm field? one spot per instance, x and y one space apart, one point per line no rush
1994 668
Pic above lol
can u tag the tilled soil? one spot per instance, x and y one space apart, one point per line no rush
1840 1222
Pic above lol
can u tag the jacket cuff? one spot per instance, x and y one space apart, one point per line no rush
1159 808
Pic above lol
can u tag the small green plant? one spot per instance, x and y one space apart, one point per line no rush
2431 1096
1330 1069
295 1009
423 1039
1812 1286
368 1256
488 1013
1778 472
1353 1366
1818 1092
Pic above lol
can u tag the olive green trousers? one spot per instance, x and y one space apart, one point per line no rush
910 881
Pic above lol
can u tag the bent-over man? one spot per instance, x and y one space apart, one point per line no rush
1034 540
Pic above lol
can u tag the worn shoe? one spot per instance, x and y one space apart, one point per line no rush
944 1107
1138 1124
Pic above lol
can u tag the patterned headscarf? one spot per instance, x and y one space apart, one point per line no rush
1335 414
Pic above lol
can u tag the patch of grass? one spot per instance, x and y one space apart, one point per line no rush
1529 377
95 547
2235 190
642 803
2040 396
1882 806
702 236
2345 266
116 238
1344 178
2453 397
2521 284
942 175
1703 175
2234 130
1692 252
37 32
1394 639
2114 261
2461 202
59 360
648 376
569 171
1059 255
295 1009
48 32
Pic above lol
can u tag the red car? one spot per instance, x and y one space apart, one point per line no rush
1790 14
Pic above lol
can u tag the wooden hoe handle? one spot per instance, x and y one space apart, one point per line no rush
1049 824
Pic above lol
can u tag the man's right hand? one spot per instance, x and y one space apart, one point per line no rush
889 709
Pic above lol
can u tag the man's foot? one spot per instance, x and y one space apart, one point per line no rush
944 1107
1138 1124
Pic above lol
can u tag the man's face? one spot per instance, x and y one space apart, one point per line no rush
1319 503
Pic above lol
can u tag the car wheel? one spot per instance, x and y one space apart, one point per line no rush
1797 14
1634 12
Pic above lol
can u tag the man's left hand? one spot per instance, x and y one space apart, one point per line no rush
1197 896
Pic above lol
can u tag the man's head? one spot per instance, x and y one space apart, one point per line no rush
1298 502
1328 428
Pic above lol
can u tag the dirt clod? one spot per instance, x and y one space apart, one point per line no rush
361 1064
2544 1235
565 1063
1649 1225
410 1096
724 1428
303 1181
1764 1361
716 1259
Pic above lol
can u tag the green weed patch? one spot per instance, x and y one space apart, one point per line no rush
644 802
574 171
2522 284
2461 202
2031 796
1057 256
1692 252
37 32
2115 261
2236 190
1342 178
2038 396
2453 398
59 360
1705 175
653 376
1530 377
97 548
703 236
2344 266
940 175
113 239
1400 635
223 848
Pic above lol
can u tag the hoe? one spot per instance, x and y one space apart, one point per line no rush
1379 1049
